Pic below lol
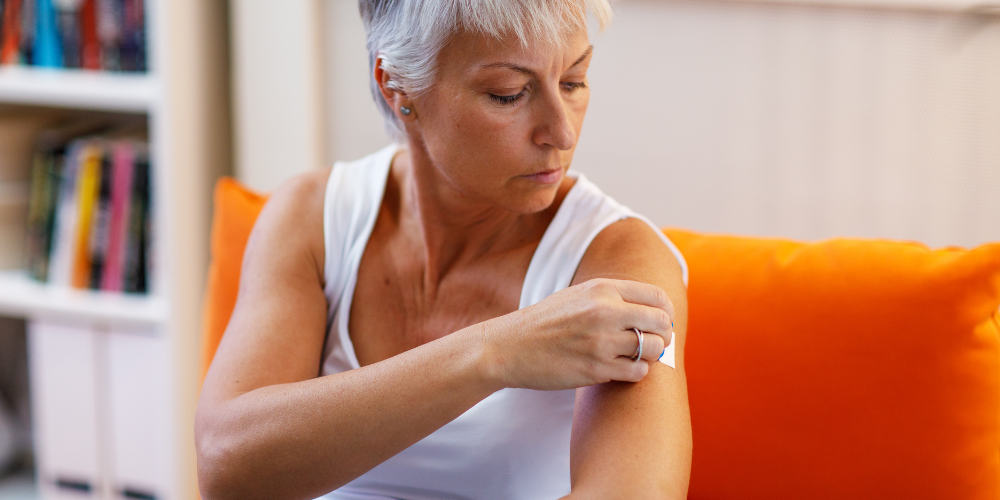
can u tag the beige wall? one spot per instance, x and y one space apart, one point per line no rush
278 89
766 118
808 122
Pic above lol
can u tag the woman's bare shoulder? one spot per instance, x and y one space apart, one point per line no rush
291 222
276 332
300 196
630 249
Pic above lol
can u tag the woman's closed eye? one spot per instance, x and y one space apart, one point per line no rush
513 98
507 99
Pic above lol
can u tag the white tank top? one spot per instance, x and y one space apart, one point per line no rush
514 444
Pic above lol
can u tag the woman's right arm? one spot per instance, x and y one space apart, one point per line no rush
268 427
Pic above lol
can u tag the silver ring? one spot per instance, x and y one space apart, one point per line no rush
638 350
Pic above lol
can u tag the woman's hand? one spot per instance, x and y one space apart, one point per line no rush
580 336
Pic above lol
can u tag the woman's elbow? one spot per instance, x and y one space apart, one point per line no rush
219 474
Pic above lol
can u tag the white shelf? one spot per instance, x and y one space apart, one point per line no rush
22 296
93 90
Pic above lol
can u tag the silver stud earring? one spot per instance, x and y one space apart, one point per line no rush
405 110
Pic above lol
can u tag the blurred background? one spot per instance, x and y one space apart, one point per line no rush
806 119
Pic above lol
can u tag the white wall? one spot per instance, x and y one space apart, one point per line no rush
278 89
355 127
808 122
768 119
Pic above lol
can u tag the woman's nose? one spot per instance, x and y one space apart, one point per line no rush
554 127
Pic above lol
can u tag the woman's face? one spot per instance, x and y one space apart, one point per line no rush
501 123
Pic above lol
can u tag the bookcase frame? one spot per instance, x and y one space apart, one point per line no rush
185 99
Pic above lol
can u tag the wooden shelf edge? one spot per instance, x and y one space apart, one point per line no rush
22 296
92 90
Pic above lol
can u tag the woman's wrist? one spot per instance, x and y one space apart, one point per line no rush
489 360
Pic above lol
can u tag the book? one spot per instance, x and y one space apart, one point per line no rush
132 53
107 35
100 227
10 46
41 211
137 243
88 186
68 21
121 192
64 226
90 211
48 46
27 40
109 32
90 44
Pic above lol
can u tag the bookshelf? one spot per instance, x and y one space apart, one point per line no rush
143 363
22 296
72 89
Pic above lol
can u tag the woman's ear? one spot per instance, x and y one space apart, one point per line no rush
393 94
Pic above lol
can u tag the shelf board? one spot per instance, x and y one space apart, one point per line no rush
93 90
23 296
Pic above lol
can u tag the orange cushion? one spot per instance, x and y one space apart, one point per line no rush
236 210
842 369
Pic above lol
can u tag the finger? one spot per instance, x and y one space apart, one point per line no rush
642 293
628 341
652 347
670 311
635 292
648 319
626 370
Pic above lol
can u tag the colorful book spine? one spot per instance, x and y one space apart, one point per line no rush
109 32
121 192
68 20
10 47
90 44
48 46
100 227
88 185
136 247
41 212
132 54
107 35
90 215
27 41
61 253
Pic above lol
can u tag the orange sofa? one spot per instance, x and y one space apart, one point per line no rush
845 369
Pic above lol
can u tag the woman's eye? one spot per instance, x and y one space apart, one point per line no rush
507 99
571 86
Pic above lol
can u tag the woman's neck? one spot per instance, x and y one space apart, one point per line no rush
452 228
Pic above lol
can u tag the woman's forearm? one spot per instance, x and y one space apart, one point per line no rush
304 439
292 440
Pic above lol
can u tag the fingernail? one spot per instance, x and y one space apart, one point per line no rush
662 353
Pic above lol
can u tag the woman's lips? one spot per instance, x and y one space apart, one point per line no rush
547 177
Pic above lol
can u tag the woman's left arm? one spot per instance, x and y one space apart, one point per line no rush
633 440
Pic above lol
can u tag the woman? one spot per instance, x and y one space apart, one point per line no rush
455 316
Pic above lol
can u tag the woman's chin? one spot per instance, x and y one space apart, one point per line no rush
531 201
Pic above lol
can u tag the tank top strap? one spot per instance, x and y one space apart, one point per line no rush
584 213
351 206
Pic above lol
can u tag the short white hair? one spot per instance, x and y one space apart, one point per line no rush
408 34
